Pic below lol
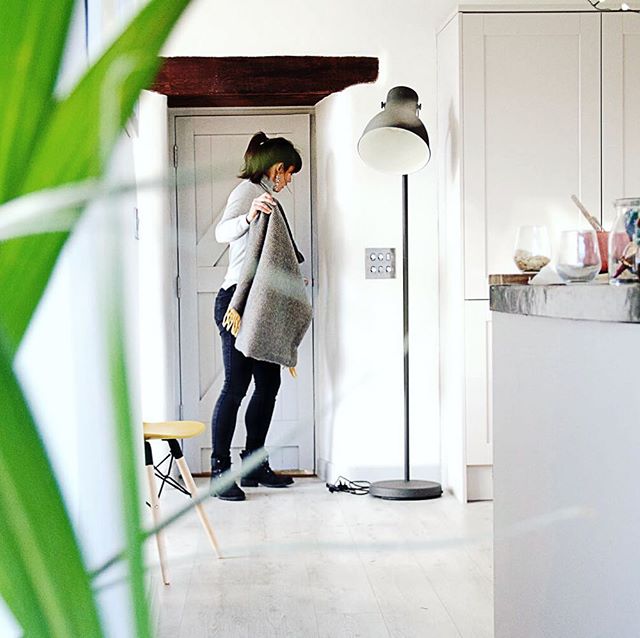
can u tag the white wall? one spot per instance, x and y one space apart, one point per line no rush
359 353
90 262
358 323
158 363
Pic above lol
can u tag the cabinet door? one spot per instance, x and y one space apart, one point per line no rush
531 118
620 110
478 393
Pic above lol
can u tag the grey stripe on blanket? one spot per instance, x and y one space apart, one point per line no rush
269 312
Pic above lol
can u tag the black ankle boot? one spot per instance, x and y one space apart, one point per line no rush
231 493
263 475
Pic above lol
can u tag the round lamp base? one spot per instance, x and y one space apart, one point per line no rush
406 490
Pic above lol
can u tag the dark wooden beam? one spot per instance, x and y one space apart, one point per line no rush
262 81
229 100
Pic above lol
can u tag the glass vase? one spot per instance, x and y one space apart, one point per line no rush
578 256
624 238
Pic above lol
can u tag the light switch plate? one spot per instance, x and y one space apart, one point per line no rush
380 263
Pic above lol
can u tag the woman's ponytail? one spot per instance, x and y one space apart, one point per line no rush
254 145
264 152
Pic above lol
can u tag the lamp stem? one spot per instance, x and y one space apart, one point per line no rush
405 315
406 489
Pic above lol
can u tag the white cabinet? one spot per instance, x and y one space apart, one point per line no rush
620 110
478 400
520 129
477 342
531 131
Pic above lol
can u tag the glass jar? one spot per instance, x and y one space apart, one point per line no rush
532 250
624 238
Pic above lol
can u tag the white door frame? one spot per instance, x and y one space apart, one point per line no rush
173 114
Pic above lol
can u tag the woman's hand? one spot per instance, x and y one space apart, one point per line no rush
262 204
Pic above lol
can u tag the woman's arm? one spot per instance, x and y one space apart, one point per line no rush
241 209
234 222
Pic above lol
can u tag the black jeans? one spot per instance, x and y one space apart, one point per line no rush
238 371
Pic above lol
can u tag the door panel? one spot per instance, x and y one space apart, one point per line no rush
210 151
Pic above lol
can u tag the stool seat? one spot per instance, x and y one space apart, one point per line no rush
173 429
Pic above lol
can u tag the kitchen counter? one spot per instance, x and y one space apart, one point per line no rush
588 302
566 460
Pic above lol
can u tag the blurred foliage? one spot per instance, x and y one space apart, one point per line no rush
48 142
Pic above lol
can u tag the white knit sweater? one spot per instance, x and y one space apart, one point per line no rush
233 227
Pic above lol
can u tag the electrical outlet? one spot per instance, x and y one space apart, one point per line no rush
380 263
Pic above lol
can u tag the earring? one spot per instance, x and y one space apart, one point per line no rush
277 180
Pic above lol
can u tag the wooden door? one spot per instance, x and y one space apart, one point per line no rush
210 151
531 117
620 111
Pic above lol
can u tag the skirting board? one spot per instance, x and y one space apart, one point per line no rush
329 471
325 469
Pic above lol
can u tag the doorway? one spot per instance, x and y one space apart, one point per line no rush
208 151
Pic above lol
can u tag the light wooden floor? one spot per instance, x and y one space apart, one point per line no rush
304 563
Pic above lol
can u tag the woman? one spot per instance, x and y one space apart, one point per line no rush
269 166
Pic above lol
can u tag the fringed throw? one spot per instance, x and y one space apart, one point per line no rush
269 312
232 321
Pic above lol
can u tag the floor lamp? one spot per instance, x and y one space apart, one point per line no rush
396 141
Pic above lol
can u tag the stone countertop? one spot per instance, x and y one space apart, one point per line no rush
597 301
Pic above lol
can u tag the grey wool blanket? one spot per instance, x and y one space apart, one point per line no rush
269 313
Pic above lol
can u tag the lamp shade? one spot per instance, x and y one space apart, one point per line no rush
395 140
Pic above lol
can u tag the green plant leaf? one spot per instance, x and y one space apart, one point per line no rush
83 128
16 586
48 143
31 46
42 573
55 209
125 432
26 265
73 145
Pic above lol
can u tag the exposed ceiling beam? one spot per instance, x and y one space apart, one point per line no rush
260 81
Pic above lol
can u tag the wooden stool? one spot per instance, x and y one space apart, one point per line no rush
171 431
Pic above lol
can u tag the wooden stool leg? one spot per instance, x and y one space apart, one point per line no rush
155 513
191 486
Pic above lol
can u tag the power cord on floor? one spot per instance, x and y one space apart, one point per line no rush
359 488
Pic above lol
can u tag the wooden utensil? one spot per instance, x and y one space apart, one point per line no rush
595 224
